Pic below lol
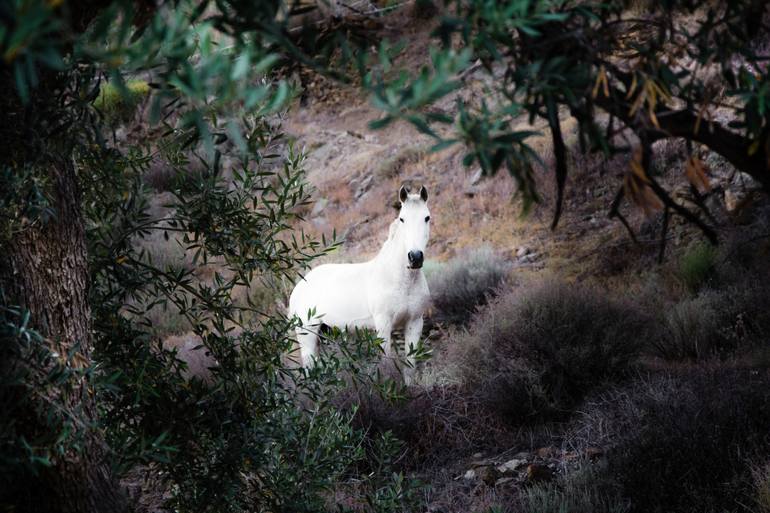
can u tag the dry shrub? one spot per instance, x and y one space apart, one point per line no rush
541 347
160 176
436 424
762 488
682 442
163 175
716 323
392 166
586 489
459 286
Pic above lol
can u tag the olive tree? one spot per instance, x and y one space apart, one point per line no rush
630 73
88 391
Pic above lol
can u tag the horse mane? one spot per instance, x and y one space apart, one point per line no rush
392 230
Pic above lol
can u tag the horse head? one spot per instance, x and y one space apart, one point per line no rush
414 226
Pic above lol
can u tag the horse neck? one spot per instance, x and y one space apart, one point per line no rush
390 261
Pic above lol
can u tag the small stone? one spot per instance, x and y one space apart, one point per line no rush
523 251
537 473
731 200
469 475
319 207
511 466
476 178
478 455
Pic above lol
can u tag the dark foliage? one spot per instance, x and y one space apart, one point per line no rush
684 442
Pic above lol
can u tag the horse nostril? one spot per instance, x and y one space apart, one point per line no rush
415 258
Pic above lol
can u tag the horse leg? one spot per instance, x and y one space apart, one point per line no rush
384 327
412 333
307 337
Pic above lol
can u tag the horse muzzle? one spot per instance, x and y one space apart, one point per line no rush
415 259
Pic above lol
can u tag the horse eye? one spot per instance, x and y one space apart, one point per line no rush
401 219
427 219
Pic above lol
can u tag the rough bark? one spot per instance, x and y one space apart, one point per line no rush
44 269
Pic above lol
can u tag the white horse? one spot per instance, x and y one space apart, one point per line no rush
387 292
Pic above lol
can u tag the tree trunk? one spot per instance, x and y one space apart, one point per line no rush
44 269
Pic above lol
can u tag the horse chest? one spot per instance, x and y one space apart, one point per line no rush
399 303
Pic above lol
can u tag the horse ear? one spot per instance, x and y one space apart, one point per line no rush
423 193
403 192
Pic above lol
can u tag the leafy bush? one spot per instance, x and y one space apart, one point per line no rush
683 442
256 434
697 265
118 104
543 347
459 286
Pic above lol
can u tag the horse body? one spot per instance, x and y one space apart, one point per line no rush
385 293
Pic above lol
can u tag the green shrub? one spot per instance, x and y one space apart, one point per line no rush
697 266
683 442
120 105
255 433
458 287
543 347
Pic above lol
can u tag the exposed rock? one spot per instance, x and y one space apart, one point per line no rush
511 466
363 186
319 207
469 475
476 177
189 348
740 205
